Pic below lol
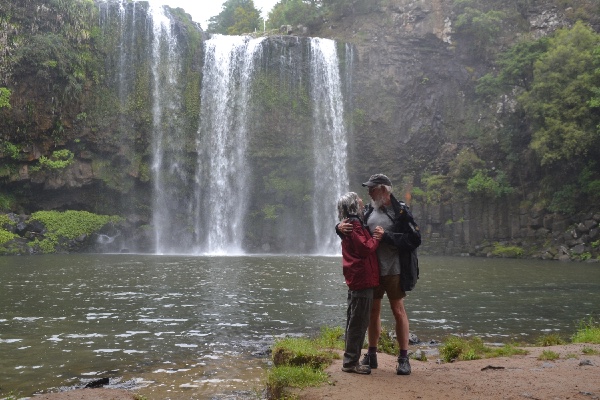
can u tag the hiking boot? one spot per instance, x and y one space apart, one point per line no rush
358 369
403 366
370 360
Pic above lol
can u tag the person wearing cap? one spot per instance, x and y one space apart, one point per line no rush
401 236
361 272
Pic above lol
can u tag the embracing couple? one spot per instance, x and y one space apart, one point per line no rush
378 257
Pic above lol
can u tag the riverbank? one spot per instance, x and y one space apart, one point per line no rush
574 375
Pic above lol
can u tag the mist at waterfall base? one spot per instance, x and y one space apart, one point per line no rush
181 327
203 206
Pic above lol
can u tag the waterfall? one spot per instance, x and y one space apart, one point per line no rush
188 113
330 144
222 177
171 207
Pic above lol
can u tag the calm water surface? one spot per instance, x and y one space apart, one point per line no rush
198 327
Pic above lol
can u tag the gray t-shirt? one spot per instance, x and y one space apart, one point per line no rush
389 262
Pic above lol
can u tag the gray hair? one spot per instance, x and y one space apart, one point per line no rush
348 205
388 188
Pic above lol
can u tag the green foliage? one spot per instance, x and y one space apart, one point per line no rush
387 343
237 17
5 97
589 180
565 200
516 66
459 349
335 9
270 211
331 338
434 187
294 12
6 236
590 351
12 150
477 25
552 339
507 251
69 224
588 332
584 256
464 165
299 362
559 100
7 202
284 376
484 184
300 351
59 159
548 355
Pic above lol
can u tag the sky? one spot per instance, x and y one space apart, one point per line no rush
202 10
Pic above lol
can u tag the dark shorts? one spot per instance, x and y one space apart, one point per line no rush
391 285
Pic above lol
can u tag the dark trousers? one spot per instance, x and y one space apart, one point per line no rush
357 322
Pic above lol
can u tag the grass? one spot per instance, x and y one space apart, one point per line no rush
300 362
387 342
552 339
588 332
589 351
548 355
461 349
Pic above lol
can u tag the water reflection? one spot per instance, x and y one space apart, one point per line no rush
202 325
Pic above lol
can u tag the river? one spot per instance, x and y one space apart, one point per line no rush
184 327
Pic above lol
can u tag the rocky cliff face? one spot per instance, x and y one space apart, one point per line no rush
410 108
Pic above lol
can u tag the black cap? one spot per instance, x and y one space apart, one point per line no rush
378 179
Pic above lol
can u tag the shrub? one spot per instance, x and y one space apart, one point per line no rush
483 184
552 339
6 236
59 159
548 355
588 332
507 251
459 349
69 225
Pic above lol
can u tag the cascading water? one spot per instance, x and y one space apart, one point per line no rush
330 143
207 105
222 178
171 206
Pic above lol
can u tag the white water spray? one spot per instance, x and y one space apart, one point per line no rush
222 191
330 143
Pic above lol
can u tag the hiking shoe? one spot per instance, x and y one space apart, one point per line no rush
370 360
403 366
358 369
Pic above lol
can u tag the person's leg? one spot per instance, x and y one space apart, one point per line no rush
397 305
402 330
359 308
375 323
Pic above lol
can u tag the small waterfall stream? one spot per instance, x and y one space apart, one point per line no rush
330 147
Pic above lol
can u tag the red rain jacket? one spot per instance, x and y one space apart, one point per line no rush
359 260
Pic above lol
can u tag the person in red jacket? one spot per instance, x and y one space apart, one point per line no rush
361 271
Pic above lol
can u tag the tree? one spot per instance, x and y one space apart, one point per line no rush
237 17
294 12
481 28
516 67
560 102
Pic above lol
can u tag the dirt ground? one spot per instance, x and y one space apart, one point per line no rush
573 376
518 377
